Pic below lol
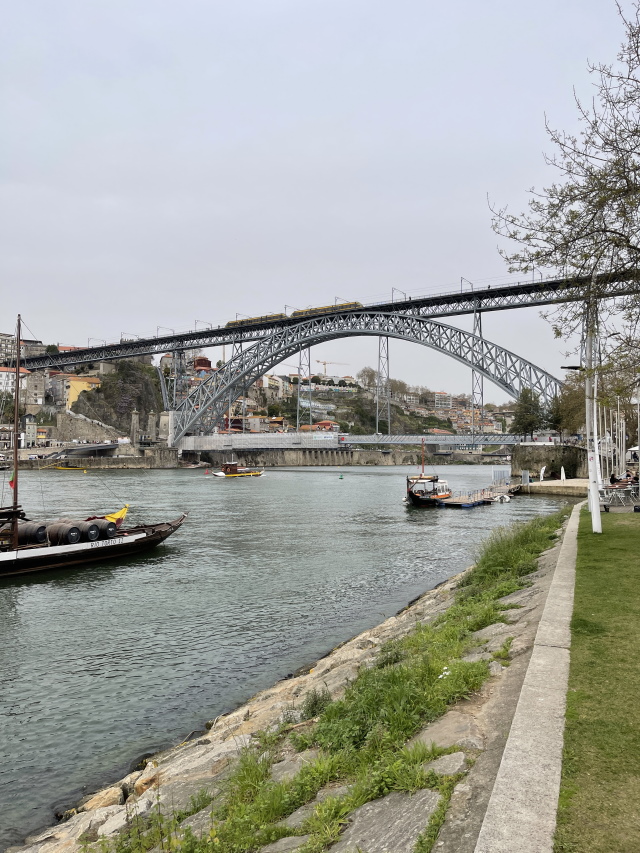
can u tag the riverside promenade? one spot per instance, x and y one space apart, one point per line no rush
497 752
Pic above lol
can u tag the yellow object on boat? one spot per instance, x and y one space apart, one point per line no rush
119 515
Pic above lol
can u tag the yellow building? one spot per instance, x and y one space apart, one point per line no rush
67 387
75 385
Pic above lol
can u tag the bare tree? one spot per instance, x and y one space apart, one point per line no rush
367 377
587 223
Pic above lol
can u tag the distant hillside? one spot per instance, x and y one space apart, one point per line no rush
132 386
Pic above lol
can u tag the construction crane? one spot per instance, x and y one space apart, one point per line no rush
325 363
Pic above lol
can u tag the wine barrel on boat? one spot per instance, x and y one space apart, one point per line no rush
63 533
29 532
107 529
89 530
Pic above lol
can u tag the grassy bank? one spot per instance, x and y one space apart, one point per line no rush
600 793
361 739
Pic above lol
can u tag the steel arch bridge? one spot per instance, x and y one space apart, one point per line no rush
205 407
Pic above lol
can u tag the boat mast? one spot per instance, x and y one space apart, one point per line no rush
423 456
16 404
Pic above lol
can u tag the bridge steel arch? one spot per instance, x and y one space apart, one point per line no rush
204 408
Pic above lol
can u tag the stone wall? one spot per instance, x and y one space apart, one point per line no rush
531 457
70 426
301 457
84 462
157 457
161 457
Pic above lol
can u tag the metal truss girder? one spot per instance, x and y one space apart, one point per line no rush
520 295
205 405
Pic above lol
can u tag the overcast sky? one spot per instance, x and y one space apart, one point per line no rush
164 162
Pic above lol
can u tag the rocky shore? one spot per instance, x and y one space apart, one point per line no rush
473 733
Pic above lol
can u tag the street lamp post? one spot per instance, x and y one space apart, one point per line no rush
592 440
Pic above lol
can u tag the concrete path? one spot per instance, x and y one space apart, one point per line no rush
521 815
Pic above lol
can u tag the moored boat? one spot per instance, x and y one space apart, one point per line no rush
232 469
426 489
28 546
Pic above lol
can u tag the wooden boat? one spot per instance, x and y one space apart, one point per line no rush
426 489
28 546
232 469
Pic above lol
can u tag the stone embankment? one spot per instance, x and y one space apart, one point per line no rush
575 488
534 456
475 730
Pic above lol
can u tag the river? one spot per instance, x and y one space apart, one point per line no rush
102 665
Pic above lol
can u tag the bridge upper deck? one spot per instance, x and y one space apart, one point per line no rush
497 298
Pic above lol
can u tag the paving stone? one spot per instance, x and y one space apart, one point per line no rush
293 842
389 825
297 818
496 668
290 767
447 765
454 729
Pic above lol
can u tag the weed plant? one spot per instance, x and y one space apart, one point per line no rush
362 738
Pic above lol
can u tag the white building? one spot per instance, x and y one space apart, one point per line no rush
8 379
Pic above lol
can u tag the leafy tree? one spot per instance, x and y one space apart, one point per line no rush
51 349
529 415
572 403
274 410
554 415
316 380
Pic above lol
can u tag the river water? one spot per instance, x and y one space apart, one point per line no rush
101 665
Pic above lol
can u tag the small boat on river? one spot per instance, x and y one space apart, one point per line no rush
426 489
232 469
28 546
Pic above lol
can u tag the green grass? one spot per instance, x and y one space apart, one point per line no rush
599 808
362 737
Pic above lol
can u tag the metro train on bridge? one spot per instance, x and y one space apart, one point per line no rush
304 312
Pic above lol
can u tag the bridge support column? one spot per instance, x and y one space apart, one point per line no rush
477 381
304 372
383 390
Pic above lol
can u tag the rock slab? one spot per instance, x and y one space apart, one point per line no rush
285 770
294 842
297 818
448 765
389 825
454 729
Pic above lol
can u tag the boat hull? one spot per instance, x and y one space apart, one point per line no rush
419 500
134 540
239 474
